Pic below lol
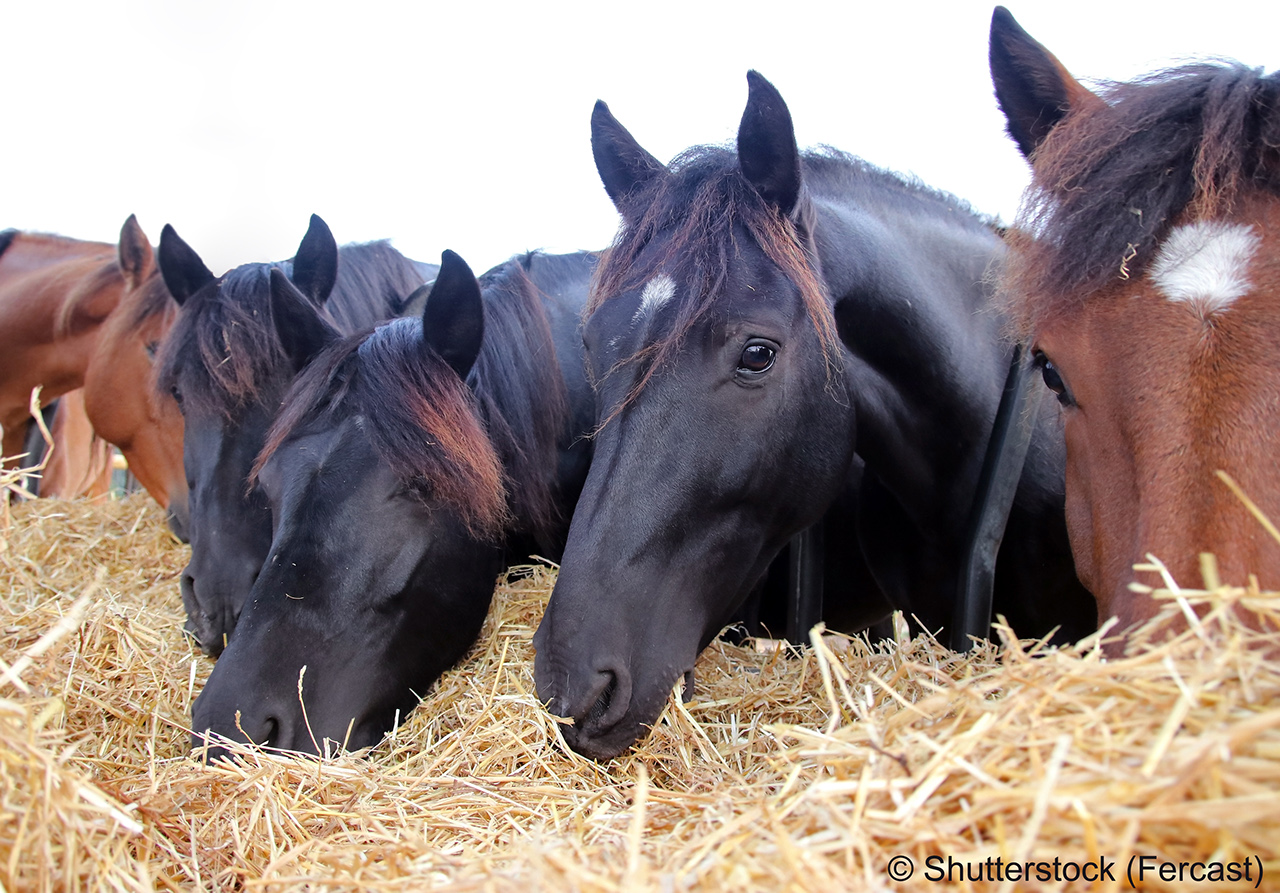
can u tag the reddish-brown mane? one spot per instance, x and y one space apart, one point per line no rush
1112 178
421 419
697 212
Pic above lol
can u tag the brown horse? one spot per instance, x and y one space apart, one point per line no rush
80 464
1145 273
90 314
122 401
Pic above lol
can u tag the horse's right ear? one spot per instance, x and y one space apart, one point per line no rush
1034 89
315 267
624 165
453 319
133 254
183 271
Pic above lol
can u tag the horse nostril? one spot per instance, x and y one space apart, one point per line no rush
604 701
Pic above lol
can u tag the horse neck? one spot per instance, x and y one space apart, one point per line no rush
372 285
924 358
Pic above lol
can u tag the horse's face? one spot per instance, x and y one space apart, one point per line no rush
710 456
380 571
369 592
237 343
1164 381
127 409
1153 316
230 521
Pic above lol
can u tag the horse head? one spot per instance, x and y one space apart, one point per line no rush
723 425
1144 274
389 510
236 344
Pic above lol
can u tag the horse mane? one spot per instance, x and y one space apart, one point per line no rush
518 381
479 449
829 172
6 237
230 331
151 298
74 315
1111 180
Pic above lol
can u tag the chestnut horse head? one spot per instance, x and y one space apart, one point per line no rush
120 396
1145 272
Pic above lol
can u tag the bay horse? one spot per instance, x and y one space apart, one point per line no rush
1145 275
235 346
763 317
55 293
402 463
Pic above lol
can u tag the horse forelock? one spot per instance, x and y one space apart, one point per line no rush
1112 179
420 418
226 335
696 214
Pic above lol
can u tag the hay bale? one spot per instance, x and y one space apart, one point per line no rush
807 773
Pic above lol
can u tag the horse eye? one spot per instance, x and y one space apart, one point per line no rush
152 347
756 357
177 394
1053 379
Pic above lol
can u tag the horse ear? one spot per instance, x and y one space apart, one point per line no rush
453 319
134 255
624 165
183 271
767 150
302 330
315 268
1034 89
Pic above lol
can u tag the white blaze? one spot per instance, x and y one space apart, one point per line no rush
657 291
1206 265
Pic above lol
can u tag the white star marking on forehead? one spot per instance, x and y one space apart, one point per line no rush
657 291
1206 265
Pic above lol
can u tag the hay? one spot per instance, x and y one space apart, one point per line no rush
807 773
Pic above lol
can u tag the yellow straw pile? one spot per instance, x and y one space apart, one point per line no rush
783 773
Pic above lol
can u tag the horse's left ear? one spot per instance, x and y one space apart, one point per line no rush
453 320
133 254
767 149
1034 89
302 330
315 268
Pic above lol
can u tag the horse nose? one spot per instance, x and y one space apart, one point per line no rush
597 706
178 524
261 730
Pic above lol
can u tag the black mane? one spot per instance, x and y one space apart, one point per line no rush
1111 181
230 331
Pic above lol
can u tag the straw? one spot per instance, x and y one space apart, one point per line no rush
783 773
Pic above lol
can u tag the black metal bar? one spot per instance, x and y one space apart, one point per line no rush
997 484
804 584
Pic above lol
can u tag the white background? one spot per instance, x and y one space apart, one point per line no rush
466 126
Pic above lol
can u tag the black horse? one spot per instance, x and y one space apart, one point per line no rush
402 463
762 315
235 347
